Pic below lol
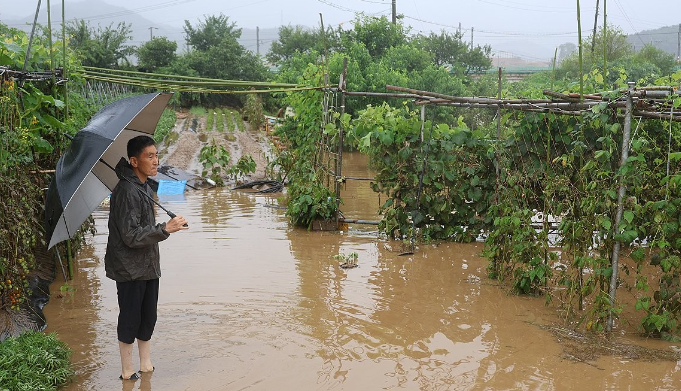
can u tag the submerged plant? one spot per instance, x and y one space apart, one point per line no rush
348 261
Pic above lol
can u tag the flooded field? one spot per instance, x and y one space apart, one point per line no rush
249 303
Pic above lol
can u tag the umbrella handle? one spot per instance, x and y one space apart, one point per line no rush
173 215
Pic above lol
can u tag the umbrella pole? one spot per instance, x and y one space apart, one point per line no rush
171 214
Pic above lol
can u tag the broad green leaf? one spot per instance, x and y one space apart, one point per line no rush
628 216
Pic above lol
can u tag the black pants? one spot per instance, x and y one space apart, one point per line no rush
137 302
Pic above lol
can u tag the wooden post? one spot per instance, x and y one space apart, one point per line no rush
339 165
593 37
394 11
472 30
620 207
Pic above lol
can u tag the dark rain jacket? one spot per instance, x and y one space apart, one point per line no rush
132 249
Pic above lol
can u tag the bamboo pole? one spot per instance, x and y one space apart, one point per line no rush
161 86
178 81
386 95
30 42
49 37
566 104
605 51
326 51
64 64
497 169
620 206
593 37
579 35
235 82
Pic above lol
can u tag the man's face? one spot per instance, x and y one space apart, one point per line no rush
146 164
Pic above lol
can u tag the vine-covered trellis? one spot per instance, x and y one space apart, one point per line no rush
569 184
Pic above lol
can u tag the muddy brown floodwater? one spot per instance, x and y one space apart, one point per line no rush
249 303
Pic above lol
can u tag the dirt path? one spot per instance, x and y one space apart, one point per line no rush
182 146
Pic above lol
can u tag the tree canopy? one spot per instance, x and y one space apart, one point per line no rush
101 47
295 40
156 53
621 58
380 53
216 53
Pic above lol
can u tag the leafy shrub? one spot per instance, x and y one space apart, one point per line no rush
214 158
34 361
253 110
309 199
245 165
437 182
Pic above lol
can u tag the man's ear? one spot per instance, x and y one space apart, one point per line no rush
133 161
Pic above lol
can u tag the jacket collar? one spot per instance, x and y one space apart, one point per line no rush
124 170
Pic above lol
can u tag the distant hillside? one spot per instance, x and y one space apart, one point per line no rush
107 14
142 29
664 38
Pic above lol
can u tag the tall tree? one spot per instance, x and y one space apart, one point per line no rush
211 32
565 50
661 59
156 53
216 52
615 41
293 40
377 34
449 49
101 47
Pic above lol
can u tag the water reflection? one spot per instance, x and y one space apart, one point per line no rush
248 302
143 384
411 315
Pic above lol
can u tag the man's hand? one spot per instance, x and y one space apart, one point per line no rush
175 224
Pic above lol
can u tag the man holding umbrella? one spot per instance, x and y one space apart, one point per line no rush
132 253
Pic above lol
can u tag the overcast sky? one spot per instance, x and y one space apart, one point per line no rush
544 22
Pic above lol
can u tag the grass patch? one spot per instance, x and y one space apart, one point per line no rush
165 124
209 121
239 121
230 121
198 110
219 120
34 361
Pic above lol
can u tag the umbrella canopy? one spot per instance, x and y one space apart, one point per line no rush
82 180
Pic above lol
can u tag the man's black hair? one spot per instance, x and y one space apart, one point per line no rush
137 144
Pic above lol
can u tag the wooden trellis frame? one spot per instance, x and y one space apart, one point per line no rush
644 102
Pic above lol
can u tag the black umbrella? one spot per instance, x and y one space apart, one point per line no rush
84 176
